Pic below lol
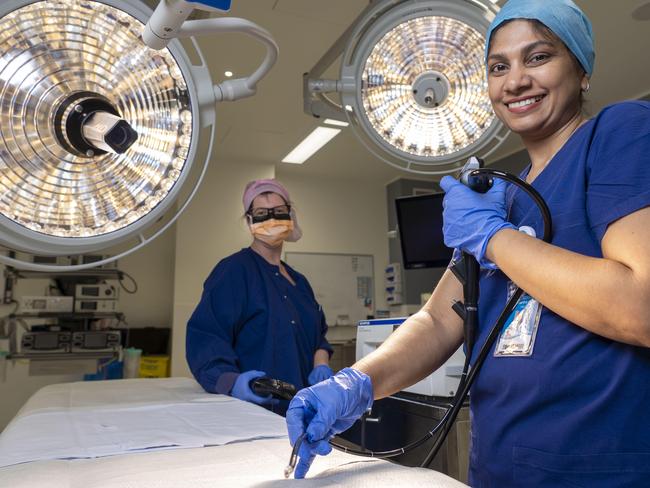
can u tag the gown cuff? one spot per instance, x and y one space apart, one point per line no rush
225 383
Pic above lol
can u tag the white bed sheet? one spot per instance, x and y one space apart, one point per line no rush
254 464
95 419
256 452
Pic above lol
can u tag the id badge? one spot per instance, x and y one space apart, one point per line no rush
517 337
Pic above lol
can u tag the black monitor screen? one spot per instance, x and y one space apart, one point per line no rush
419 220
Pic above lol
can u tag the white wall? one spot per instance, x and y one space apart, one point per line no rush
341 216
153 269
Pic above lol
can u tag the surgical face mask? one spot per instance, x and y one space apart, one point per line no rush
271 231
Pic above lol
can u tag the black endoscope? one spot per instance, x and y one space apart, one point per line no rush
467 270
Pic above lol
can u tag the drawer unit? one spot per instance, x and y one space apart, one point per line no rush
404 418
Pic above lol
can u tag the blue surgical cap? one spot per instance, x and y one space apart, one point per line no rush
563 17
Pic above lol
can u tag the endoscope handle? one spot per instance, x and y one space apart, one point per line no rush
471 269
470 300
479 183
264 386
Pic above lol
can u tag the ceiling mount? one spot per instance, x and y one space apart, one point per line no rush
430 89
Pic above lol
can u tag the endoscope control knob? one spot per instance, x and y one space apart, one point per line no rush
479 183
459 308
458 268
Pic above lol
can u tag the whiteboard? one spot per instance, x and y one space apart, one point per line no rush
344 284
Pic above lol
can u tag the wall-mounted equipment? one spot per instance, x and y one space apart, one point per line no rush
36 304
101 128
393 284
412 83
46 342
95 341
96 291
99 306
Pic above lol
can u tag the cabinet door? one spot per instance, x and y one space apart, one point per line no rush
394 423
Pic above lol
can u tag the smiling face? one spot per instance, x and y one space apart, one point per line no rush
534 82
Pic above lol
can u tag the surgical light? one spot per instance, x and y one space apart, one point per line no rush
413 83
99 131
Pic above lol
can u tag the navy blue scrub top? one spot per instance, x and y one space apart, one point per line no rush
575 412
251 317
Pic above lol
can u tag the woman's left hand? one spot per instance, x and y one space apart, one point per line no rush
470 218
320 373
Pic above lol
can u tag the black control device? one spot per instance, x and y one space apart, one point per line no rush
278 389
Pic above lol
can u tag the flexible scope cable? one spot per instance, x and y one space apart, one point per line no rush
467 380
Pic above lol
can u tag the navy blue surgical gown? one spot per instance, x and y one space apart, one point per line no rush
575 412
250 317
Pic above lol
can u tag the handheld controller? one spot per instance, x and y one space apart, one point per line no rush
479 183
278 389
467 268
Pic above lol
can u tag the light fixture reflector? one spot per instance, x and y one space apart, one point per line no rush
61 58
425 89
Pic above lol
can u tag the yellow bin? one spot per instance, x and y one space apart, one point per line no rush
154 366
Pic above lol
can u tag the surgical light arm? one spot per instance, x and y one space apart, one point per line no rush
169 21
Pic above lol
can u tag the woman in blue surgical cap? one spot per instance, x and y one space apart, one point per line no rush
562 400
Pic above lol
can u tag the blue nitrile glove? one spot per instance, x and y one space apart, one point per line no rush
325 409
320 373
470 219
242 390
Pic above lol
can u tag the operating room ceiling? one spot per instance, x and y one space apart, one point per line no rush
266 127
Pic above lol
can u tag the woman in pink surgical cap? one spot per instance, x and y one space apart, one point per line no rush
258 317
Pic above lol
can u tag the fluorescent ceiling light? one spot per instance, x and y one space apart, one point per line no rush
340 123
312 143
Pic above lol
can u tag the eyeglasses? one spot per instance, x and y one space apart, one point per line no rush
260 214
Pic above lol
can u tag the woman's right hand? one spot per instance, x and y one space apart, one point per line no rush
324 410
242 390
